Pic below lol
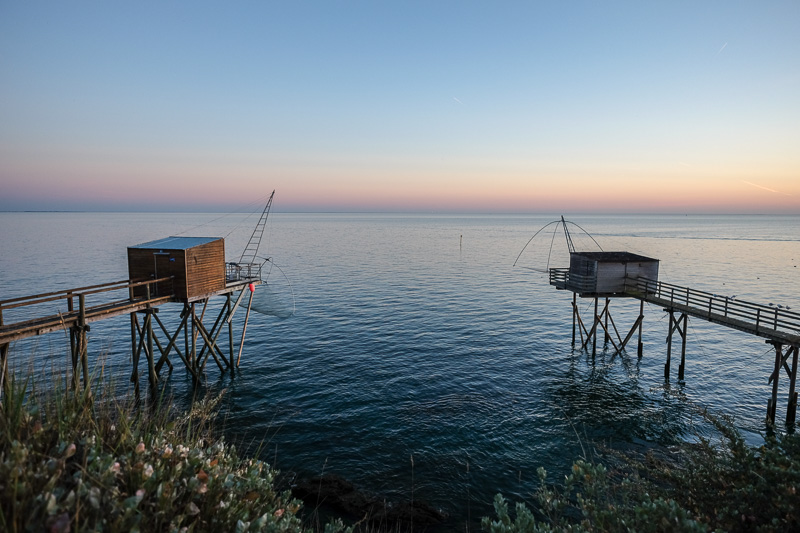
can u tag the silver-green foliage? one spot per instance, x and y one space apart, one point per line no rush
588 502
74 463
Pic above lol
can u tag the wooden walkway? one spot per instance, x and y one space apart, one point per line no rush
776 323
771 322
76 308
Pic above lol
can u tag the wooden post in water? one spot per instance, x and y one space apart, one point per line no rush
669 344
594 328
682 330
84 342
773 401
148 324
791 408
184 317
574 314
639 349
606 336
230 333
193 358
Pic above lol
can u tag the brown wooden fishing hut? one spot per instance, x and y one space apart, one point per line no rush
196 265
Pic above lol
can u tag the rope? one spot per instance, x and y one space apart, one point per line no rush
243 208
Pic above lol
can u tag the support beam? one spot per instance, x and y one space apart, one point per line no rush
213 334
574 315
3 369
682 330
791 408
172 344
230 332
639 348
213 348
773 401
244 328
594 329
678 325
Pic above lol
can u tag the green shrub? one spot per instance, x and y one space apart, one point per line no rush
70 463
589 502
722 486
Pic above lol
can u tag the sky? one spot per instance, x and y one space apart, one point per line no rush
485 107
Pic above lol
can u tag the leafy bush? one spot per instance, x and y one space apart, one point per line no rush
70 463
723 486
589 502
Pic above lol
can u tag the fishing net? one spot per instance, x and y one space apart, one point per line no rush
272 301
550 246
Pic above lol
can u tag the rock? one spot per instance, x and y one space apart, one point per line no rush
341 496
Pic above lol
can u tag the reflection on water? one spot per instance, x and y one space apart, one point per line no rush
413 337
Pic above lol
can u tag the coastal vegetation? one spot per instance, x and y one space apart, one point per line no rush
70 462
711 485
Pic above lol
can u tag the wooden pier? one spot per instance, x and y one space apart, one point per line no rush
778 325
184 270
83 306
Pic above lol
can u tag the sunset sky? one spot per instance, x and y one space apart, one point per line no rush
433 106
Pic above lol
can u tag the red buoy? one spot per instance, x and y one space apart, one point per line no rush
252 288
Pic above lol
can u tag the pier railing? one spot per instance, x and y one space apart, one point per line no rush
561 279
772 321
35 314
242 271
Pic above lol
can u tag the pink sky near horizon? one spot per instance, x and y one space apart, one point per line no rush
512 108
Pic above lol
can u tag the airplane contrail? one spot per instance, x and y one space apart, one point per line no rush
457 100
765 188
721 49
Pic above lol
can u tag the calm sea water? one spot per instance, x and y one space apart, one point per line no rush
419 360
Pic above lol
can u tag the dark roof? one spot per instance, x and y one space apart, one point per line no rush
614 257
176 243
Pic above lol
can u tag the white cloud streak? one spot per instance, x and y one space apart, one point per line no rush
765 188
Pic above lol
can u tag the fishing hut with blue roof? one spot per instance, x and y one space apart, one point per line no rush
174 270
195 264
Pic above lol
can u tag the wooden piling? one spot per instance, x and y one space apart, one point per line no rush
773 401
639 348
791 408
574 314
682 330
230 332
594 329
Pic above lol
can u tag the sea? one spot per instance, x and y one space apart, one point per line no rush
426 357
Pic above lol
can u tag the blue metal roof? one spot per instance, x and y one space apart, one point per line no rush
176 243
